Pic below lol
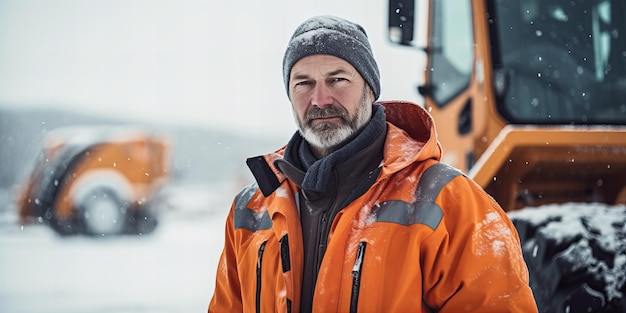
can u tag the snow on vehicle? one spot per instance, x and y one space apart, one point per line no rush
529 97
96 180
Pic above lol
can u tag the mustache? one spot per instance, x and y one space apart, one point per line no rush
328 111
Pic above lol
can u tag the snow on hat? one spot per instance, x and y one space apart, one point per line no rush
337 37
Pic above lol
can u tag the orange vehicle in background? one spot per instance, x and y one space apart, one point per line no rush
96 181
529 95
529 100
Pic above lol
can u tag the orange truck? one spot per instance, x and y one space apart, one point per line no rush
97 181
529 99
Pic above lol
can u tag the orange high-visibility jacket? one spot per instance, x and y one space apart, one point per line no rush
423 238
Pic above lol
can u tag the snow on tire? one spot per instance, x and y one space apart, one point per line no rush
576 256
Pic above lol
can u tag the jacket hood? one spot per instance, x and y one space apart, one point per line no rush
407 118
412 118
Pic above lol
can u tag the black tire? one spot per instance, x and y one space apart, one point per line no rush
103 213
576 256
142 221
64 227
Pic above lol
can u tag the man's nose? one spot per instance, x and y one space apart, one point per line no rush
321 96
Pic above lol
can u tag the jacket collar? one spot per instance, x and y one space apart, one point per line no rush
411 137
317 172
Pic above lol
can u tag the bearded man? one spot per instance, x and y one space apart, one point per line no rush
357 213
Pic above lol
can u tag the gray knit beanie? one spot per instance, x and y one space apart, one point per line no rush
337 37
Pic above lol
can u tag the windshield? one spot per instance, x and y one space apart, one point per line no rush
560 61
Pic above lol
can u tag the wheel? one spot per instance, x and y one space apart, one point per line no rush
576 256
103 213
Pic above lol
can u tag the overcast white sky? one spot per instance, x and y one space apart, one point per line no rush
185 61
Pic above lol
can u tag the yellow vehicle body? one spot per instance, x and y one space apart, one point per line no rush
518 116
554 165
529 99
96 180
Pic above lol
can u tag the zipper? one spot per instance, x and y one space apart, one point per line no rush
322 238
356 277
258 276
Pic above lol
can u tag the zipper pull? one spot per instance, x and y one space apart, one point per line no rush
358 262
356 277
260 258
258 275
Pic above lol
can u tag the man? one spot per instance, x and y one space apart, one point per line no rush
355 213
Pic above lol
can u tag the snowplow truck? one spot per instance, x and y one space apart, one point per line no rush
529 99
96 181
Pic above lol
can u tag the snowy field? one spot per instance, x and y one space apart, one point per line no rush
171 270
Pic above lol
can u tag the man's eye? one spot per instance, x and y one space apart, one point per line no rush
338 79
302 83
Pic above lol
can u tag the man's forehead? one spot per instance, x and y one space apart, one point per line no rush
321 63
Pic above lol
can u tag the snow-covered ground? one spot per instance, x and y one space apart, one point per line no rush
171 270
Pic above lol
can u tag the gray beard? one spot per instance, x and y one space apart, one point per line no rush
326 137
